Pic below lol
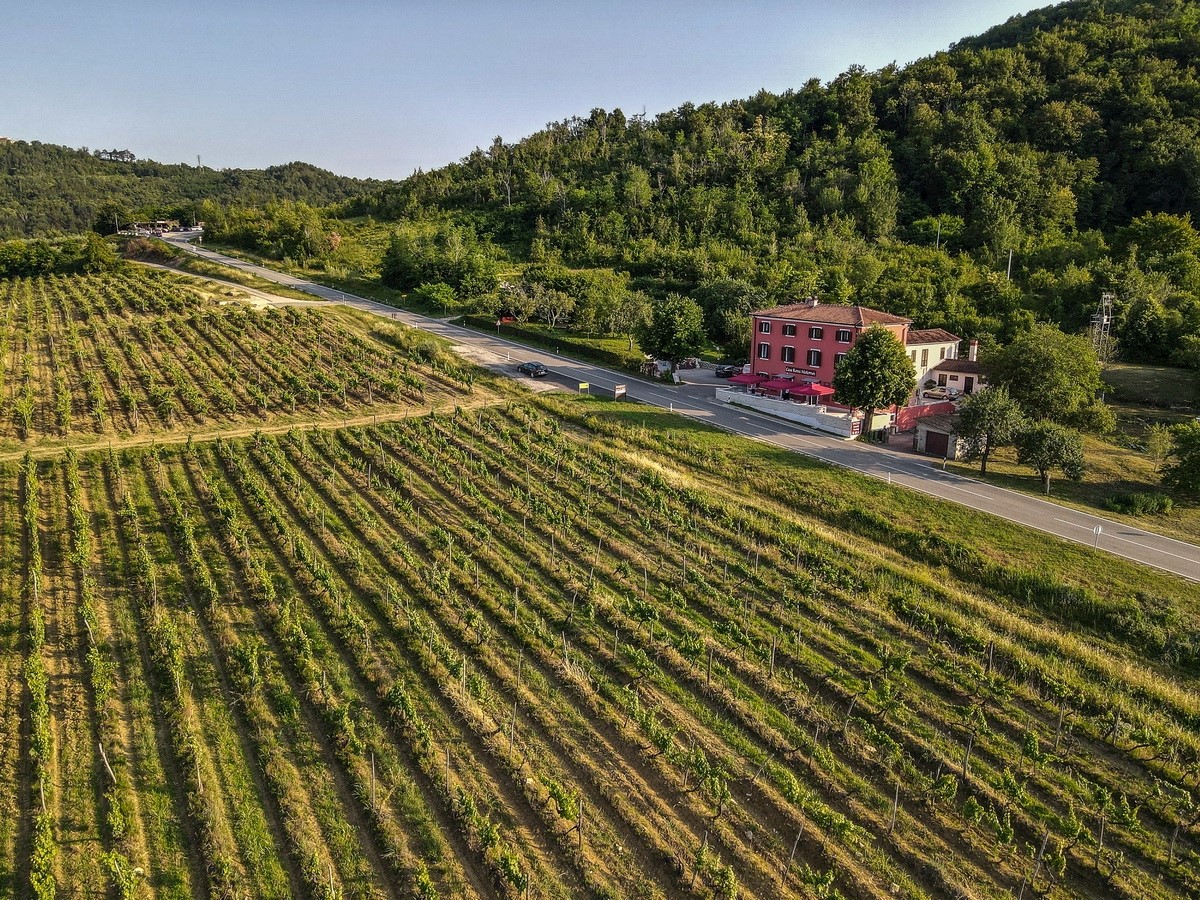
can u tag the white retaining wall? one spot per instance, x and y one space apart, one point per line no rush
834 423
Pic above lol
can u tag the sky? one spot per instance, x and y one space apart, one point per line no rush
378 88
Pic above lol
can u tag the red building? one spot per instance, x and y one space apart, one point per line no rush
806 340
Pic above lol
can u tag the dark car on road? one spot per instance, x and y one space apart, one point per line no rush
533 369
727 371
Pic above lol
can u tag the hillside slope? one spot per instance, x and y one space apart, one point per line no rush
45 187
1081 115
1070 136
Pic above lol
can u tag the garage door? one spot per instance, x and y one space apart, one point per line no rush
936 443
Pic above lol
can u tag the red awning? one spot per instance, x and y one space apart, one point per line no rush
813 390
747 379
779 384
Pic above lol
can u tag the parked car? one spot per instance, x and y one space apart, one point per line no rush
533 369
727 371
940 393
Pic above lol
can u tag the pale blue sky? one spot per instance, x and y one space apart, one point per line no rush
380 88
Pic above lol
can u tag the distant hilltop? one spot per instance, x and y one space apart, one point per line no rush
104 185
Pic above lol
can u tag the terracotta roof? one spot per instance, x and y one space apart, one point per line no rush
932 336
966 366
833 314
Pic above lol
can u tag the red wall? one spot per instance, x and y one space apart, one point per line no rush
827 344
906 419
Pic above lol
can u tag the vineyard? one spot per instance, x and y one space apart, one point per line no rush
141 352
520 650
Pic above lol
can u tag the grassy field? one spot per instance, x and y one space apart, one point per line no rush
548 647
1164 387
1117 464
205 268
363 284
1111 470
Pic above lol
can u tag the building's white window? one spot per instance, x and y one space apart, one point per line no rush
837 358
943 356
789 330
843 336
814 358
788 354
816 332
764 327
954 378
912 354
764 350
925 358
942 379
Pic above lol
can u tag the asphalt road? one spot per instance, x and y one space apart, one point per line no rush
698 402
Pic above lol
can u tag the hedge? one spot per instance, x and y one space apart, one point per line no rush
574 347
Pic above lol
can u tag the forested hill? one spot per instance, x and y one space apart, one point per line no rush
45 187
1053 136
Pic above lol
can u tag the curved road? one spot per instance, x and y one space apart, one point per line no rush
696 401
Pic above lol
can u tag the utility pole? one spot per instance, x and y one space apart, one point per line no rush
1010 253
937 244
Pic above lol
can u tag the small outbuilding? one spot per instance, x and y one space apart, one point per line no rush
938 436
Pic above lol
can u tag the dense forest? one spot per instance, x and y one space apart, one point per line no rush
1069 137
45 188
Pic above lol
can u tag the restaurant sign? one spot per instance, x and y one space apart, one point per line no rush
796 371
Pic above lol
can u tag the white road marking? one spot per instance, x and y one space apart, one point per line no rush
1117 537
1074 524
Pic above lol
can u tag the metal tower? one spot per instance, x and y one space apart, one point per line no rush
1102 327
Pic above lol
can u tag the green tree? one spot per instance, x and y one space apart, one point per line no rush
875 373
1188 352
1159 443
454 255
1045 446
637 192
516 300
551 305
1159 237
628 313
989 419
98 254
110 216
437 293
1050 374
1144 330
1182 474
727 305
674 328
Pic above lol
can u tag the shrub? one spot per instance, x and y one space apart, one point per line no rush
579 348
1140 504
